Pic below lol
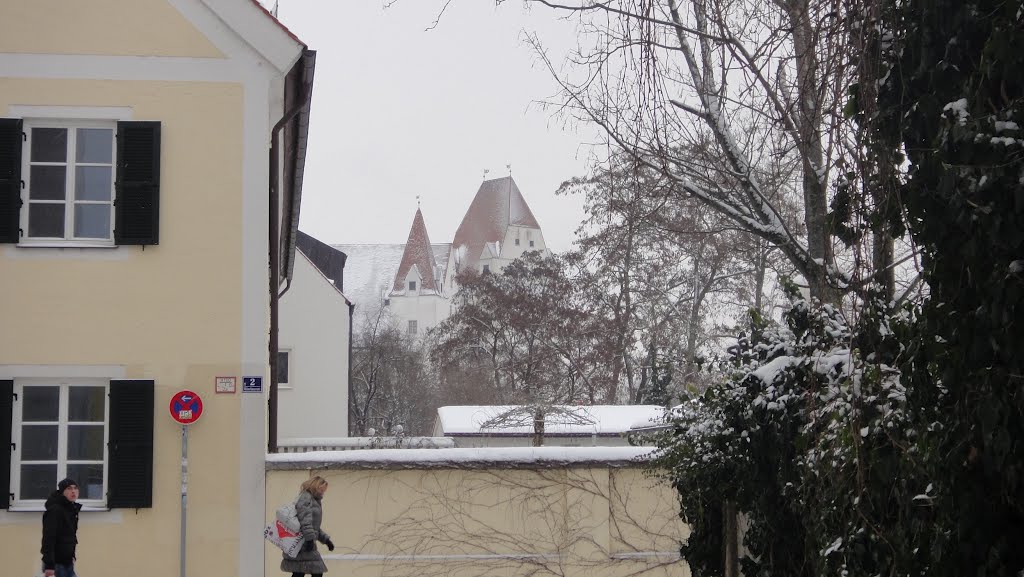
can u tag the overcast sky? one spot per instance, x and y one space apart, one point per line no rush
399 111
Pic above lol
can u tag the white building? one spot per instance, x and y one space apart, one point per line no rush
416 280
314 346
564 425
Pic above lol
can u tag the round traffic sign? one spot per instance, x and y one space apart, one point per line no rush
186 407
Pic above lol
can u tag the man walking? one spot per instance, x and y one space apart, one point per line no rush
60 530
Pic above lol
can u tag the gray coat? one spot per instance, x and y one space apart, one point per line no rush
310 515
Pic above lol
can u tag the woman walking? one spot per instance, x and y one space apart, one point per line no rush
310 513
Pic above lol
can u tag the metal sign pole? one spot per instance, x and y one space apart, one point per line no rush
184 492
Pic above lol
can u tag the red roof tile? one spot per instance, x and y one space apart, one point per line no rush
417 252
497 205
278 22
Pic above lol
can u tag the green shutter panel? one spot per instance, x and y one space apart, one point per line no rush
137 206
6 422
10 179
130 445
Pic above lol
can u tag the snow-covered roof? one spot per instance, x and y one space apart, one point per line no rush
488 457
370 270
565 420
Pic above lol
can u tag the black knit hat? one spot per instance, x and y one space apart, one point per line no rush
66 483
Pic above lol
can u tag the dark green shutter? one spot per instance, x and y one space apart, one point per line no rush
137 216
6 422
10 179
130 445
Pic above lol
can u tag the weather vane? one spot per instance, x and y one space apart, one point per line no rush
417 201
509 167
486 170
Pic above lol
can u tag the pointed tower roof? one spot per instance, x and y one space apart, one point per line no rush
497 205
417 252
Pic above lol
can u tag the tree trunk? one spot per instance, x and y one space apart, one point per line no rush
730 541
819 244
760 268
877 170
538 427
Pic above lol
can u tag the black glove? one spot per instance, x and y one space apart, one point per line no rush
330 545
308 546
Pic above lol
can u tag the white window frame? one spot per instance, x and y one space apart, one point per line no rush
17 503
71 125
412 286
412 328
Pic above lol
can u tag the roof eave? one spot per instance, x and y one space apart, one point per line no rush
293 194
263 32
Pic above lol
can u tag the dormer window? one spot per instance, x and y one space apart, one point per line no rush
412 286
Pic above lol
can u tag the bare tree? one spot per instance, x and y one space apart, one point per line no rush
535 521
532 329
390 380
760 80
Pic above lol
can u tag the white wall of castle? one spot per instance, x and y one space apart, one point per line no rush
517 241
426 308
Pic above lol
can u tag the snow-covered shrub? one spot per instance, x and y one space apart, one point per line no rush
810 428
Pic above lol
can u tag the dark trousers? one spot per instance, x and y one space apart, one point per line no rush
310 575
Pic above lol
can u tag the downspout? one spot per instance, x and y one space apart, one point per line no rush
275 264
351 316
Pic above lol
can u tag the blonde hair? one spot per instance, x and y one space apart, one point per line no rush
315 485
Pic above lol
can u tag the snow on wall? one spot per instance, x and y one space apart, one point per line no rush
503 457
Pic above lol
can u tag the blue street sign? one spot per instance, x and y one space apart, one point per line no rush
252 384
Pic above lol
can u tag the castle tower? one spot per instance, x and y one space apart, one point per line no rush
417 298
498 227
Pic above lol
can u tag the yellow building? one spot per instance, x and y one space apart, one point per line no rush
499 512
137 208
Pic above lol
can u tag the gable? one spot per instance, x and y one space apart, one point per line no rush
102 27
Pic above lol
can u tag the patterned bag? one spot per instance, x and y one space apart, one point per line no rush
288 541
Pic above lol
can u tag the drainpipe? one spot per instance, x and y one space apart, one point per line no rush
351 316
275 265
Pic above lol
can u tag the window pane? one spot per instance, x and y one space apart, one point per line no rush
89 478
38 481
85 404
92 221
47 182
39 442
46 220
85 443
40 404
49 145
93 182
282 367
94 145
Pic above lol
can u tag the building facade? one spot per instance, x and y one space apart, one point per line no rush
138 207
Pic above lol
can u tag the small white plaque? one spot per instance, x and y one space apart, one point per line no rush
225 385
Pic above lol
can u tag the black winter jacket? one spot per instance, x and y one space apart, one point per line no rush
60 531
